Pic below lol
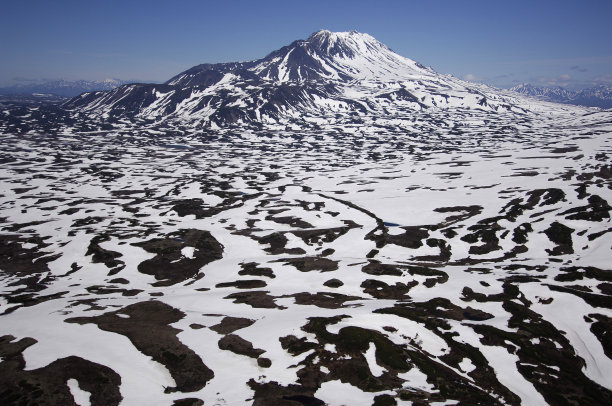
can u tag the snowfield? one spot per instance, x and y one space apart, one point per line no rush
451 255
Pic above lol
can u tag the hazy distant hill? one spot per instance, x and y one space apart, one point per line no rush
598 96
61 87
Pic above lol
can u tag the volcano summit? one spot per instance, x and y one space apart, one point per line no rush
332 224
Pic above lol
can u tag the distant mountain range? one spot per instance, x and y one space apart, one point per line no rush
65 88
598 96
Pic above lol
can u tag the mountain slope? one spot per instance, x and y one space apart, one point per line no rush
341 74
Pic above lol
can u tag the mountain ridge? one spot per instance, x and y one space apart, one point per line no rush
339 74
596 96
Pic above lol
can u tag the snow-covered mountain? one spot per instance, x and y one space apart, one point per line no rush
556 93
60 87
341 74
597 96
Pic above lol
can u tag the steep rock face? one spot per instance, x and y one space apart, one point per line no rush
330 76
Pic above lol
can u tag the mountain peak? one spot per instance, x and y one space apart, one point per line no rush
343 44
323 56
337 34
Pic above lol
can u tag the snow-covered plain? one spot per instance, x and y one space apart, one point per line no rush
455 254
444 254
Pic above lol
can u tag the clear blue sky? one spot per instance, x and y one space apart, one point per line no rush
496 42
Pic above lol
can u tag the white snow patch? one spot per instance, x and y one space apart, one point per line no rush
80 396
415 378
336 393
188 252
466 365
370 356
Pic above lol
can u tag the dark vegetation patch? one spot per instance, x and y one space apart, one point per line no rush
308 264
562 236
465 212
91 303
605 288
255 298
48 385
485 232
263 362
29 299
437 276
602 329
381 290
253 269
273 393
121 281
14 227
598 209
550 362
230 324
107 290
29 267
20 262
603 172
239 345
169 266
376 268
243 284
333 283
188 402
596 235
564 150
349 365
574 273
595 300
412 237
327 300
519 173
433 315
148 328
445 251
384 400
325 235
87 221
199 209
419 397
278 242
290 221
438 308
327 252
509 292
535 198
104 256
519 234
297 346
